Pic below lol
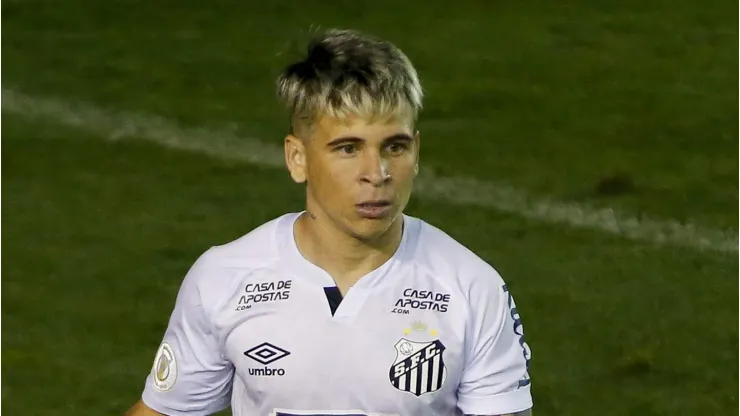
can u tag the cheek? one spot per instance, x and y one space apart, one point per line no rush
404 170
331 179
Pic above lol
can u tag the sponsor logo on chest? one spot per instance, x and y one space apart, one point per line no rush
422 300
263 292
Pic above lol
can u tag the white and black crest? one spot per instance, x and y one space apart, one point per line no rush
419 367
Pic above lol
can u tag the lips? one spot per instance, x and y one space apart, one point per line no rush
375 203
374 209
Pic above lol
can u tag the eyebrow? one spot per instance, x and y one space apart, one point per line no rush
353 139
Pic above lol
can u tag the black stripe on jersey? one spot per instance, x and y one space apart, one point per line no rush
440 376
419 371
334 297
430 377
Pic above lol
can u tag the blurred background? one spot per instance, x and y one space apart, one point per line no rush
585 148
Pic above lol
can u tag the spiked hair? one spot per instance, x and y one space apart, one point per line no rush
348 73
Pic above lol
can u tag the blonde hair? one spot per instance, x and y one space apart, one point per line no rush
348 73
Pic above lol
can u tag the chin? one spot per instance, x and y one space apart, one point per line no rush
369 229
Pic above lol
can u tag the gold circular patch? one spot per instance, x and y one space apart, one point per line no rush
164 370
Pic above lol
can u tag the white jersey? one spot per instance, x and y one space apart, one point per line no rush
433 331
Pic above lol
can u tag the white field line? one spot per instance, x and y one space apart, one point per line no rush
226 144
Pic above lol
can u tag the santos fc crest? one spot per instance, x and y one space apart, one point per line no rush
419 367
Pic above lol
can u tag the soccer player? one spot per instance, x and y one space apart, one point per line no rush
351 306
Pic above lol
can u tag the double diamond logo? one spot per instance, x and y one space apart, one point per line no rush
266 353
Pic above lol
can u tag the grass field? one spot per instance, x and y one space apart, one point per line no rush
560 99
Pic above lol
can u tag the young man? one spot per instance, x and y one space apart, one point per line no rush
350 307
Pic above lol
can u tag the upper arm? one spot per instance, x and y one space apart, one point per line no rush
495 379
140 409
190 375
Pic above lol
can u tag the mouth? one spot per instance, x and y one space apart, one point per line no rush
375 209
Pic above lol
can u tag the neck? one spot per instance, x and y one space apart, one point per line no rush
345 257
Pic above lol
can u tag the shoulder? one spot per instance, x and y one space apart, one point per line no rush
222 267
452 262
258 246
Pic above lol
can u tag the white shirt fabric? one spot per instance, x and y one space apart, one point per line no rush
433 331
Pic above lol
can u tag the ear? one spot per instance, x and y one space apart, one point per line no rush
295 158
417 139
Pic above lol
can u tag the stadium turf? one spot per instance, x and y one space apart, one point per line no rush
629 105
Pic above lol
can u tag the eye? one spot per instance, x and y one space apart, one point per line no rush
397 147
347 149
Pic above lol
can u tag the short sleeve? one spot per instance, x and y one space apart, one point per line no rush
190 375
495 379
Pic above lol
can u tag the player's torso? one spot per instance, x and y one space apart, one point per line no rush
394 348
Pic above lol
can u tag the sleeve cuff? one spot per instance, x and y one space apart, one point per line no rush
500 404
150 399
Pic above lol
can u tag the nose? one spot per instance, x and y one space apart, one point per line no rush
375 169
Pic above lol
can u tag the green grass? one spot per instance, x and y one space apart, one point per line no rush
584 89
552 97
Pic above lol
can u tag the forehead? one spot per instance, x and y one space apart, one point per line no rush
328 128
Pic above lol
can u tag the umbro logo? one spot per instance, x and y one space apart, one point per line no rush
266 353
